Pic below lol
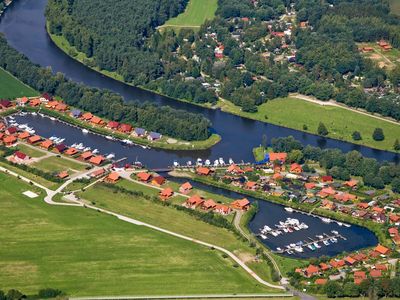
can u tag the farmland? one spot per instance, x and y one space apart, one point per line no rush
340 122
196 13
83 252
11 87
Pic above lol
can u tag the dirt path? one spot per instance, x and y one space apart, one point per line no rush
336 104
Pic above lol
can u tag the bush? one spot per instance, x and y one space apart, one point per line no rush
322 130
356 136
49 293
378 135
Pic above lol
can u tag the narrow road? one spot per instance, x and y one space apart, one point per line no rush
336 104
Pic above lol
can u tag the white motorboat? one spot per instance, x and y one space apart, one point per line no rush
109 137
189 163
264 237
317 245
221 161
289 209
299 249
84 130
110 156
335 232
326 243
34 114
207 162
52 118
87 149
176 164
231 162
216 163
326 220
95 151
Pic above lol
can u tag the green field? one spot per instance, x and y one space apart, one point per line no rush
30 151
11 87
341 123
56 164
83 252
395 6
195 14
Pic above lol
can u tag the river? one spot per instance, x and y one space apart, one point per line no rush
24 27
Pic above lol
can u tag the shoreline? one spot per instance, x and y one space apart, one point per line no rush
213 139
299 208
227 108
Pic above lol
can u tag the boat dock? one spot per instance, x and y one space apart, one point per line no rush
311 243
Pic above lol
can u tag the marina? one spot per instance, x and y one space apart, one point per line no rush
312 244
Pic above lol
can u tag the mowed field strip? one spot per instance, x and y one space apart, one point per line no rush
87 253
11 88
195 14
340 122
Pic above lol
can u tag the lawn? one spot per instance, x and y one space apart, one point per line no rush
30 151
163 216
46 183
11 87
195 14
341 123
83 252
395 6
56 164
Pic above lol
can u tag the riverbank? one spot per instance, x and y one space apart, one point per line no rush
287 112
305 116
308 209
165 142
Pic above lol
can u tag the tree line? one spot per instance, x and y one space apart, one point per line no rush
342 165
166 120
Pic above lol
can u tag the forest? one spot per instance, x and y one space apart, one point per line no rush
166 120
180 65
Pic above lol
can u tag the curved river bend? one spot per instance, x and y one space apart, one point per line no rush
24 27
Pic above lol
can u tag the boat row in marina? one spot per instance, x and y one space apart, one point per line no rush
288 226
312 245
199 162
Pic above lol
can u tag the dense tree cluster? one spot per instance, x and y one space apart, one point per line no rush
168 121
343 165
113 35
177 65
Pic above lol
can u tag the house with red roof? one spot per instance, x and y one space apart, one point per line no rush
47 144
234 169
296 168
193 202
327 178
143 176
241 204
20 157
375 273
311 271
393 231
251 185
87 116
185 188
209 204
280 156
24 135
394 219
113 177
166 193
97 160
351 183
86 155
112 125
9 140
381 249
321 281
71 151
222 209
96 120
34 139
309 185
126 128
203 171
158 180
